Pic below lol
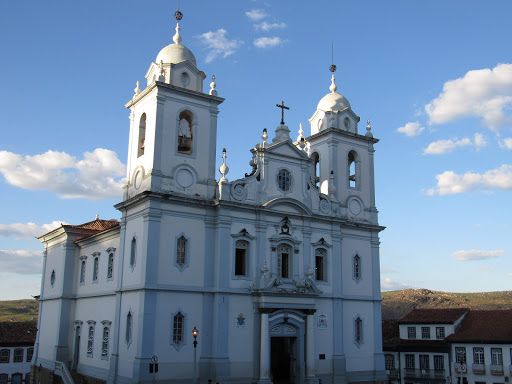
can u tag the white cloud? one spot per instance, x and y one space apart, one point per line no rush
446 146
29 230
264 26
476 254
218 44
387 284
450 183
481 93
265 42
411 129
506 143
256 14
98 175
21 262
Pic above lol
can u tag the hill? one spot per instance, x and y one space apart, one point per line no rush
398 303
19 310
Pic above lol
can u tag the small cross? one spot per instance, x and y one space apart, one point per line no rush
282 110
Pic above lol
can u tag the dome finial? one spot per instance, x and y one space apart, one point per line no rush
178 16
224 168
333 86
213 91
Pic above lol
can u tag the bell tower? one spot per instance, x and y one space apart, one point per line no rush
342 156
173 127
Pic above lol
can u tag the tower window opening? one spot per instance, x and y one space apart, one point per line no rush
320 261
352 171
185 134
316 169
141 143
132 252
241 251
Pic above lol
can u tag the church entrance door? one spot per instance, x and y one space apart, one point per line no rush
283 361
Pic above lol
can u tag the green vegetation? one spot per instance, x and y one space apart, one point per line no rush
19 310
398 303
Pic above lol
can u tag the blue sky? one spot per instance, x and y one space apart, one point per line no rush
434 78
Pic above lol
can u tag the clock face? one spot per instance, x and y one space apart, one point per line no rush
347 122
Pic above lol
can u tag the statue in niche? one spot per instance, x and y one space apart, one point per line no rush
184 136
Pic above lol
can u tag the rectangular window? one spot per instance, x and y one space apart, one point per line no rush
478 356
319 268
496 356
424 362
460 354
96 268
90 341
82 272
439 363
30 353
3 378
440 332
411 332
425 332
5 356
390 362
283 261
241 258
18 355
409 362
177 332
359 330
104 344
357 267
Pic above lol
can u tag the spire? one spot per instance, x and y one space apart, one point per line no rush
333 86
224 168
177 37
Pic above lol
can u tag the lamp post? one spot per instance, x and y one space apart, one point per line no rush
195 332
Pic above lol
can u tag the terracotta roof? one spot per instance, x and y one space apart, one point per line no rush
433 316
17 333
485 327
96 225
390 332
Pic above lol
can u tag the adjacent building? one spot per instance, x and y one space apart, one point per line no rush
448 345
16 351
278 272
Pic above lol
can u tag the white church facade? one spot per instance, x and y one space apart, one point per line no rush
278 271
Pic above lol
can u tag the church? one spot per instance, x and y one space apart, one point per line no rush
271 278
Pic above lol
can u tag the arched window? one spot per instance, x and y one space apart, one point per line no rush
316 169
82 272
241 257
110 270
129 323
141 143
5 355
3 378
358 330
284 262
178 328
18 356
132 252
95 269
185 134
357 267
320 264
353 177
52 278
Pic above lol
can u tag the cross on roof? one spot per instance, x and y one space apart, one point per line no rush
282 110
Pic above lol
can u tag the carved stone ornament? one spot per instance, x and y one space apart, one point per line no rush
238 191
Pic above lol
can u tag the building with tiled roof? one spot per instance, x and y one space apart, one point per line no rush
16 351
442 345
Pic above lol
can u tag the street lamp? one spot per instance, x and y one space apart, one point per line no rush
195 332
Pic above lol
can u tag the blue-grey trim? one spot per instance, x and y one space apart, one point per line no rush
184 336
187 252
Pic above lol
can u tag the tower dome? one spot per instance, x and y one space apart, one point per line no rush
333 101
174 54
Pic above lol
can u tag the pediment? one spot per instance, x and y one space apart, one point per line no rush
288 205
286 148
